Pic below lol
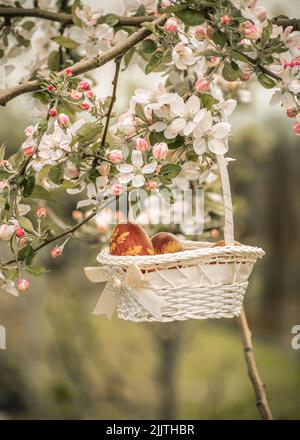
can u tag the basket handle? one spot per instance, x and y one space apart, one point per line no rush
228 211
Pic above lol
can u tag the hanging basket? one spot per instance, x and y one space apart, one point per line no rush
199 282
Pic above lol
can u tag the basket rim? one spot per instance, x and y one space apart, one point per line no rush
194 250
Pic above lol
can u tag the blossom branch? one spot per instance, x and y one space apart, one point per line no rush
258 385
86 64
113 100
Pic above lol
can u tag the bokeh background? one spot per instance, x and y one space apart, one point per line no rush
63 362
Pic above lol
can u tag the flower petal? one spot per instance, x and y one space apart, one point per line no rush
221 130
199 145
193 104
125 168
137 158
138 180
149 168
126 178
217 146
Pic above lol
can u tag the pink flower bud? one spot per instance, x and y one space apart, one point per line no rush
225 20
117 189
104 169
19 232
296 128
202 85
28 151
165 4
41 212
56 251
140 144
160 150
77 215
171 25
23 285
63 120
85 105
116 156
90 94
291 112
50 88
250 30
151 185
200 32
52 112
75 94
245 76
68 71
213 61
84 85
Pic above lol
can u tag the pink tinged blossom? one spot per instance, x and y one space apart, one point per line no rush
251 31
291 112
84 85
151 185
141 144
117 189
57 251
296 128
225 20
90 94
171 25
29 130
75 94
104 169
41 212
6 231
68 72
19 232
116 156
85 105
23 285
52 112
28 151
160 150
50 88
63 120
165 4
200 32
202 85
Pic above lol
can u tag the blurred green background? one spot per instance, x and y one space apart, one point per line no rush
63 362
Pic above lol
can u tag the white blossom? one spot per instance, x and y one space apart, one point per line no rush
211 137
135 171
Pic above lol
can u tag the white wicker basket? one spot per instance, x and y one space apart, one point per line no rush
200 282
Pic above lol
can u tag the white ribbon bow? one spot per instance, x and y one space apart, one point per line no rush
135 282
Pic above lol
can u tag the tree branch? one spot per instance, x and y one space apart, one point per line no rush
259 387
257 64
295 22
86 64
113 100
64 18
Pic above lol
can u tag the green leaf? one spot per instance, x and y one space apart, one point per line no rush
139 111
110 19
56 174
219 38
266 34
28 185
42 194
211 53
231 71
207 100
76 20
93 174
175 143
25 223
36 270
54 61
87 133
1 53
155 61
192 156
190 17
65 42
26 254
148 46
170 171
266 81
28 25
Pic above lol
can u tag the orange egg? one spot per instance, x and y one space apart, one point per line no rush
130 239
166 243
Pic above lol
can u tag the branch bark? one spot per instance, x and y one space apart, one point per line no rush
258 385
86 64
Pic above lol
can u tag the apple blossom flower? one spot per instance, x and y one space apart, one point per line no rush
201 32
141 144
54 146
86 15
171 25
116 156
52 112
183 56
135 171
63 120
41 212
251 31
160 150
289 87
152 99
23 285
211 137
56 251
30 130
187 115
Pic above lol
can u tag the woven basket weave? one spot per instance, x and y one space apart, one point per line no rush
198 283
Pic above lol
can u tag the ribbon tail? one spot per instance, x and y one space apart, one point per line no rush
150 301
107 303
96 274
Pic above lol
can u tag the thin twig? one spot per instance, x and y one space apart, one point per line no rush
113 100
257 64
86 64
258 385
